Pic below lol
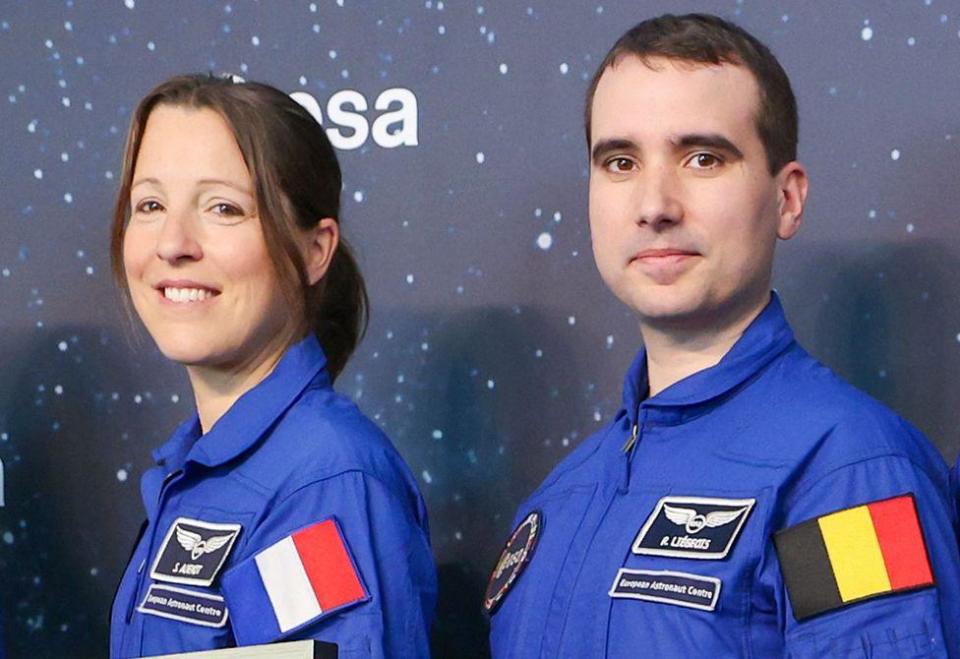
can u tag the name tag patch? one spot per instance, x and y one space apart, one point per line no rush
184 605
693 527
194 551
678 588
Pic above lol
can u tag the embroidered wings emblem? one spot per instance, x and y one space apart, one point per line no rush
694 522
197 546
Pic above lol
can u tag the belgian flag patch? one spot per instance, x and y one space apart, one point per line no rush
853 555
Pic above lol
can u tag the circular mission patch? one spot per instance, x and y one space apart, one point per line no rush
513 559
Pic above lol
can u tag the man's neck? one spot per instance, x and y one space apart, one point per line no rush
674 353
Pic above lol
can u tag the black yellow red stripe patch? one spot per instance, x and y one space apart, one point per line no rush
852 555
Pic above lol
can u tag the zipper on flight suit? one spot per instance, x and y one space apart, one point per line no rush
630 446
632 439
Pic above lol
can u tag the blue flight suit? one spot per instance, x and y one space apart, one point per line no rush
288 454
955 481
769 432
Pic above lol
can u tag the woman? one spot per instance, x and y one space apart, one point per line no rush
278 512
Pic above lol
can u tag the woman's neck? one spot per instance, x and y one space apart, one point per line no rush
216 389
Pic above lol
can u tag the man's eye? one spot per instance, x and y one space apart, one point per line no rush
705 161
619 165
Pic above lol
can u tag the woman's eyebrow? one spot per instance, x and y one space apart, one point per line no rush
204 181
230 184
143 181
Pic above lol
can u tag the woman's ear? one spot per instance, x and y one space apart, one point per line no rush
321 244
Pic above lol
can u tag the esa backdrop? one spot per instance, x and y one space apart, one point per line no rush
493 347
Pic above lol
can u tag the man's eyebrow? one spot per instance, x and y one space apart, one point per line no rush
708 140
603 147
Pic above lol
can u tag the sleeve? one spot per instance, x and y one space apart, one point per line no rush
955 484
866 565
341 560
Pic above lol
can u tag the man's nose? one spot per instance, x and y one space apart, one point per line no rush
177 240
659 198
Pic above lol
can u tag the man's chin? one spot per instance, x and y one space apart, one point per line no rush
677 318
698 315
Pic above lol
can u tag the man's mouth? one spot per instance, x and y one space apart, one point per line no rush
652 255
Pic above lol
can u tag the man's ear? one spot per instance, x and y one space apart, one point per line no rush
792 186
321 244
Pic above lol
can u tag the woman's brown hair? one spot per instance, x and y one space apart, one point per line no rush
297 180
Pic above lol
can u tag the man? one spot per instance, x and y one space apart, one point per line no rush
745 501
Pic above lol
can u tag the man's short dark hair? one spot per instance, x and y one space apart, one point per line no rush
707 39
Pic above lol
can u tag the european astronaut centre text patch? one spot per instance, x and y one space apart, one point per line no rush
693 527
194 551
680 588
184 605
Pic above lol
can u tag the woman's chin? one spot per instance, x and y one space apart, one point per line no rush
188 354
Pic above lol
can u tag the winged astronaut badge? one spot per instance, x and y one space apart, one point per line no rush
693 527
197 546
193 551
694 522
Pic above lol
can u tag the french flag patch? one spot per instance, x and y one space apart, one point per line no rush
297 580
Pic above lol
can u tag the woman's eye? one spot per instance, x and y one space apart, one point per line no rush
226 210
705 161
619 165
148 206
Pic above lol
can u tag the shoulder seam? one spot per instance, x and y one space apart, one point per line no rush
803 488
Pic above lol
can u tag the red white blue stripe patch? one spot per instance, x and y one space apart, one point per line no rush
297 580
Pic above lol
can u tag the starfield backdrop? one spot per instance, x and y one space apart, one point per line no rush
494 347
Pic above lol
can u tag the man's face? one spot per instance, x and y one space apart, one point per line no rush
684 213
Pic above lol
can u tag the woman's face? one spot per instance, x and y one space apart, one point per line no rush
194 254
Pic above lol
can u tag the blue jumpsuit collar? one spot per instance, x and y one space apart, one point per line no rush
251 415
765 338
174 450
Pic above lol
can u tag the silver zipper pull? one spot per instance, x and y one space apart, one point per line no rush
632 439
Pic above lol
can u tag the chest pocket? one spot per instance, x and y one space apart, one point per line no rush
181 604
689 560
521 620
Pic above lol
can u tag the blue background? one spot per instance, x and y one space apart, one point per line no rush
494 348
